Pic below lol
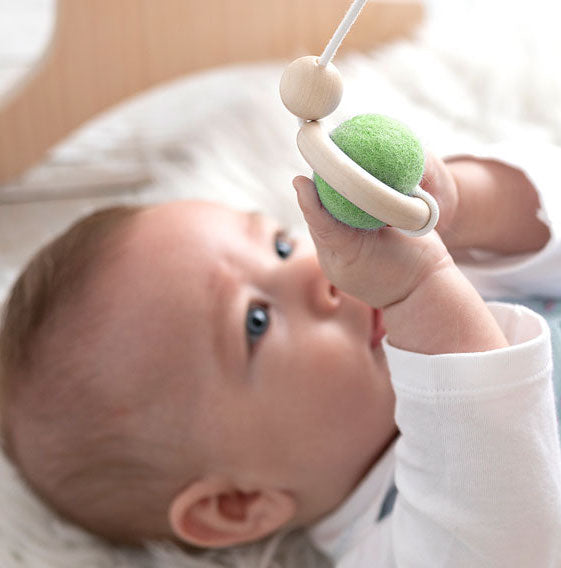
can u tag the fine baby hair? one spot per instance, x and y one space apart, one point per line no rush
367 170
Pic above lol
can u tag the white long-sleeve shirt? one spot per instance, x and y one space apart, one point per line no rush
474 479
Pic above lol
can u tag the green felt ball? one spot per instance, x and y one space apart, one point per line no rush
386 149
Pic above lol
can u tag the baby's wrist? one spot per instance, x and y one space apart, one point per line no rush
443 314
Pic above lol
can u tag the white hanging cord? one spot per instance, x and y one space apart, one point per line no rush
340 33
338 37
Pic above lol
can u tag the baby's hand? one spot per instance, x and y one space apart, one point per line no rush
429 306
484 204
379 267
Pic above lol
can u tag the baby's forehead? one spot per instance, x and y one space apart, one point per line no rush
167 263
198 222
202 231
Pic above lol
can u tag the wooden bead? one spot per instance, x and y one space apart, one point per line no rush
309 90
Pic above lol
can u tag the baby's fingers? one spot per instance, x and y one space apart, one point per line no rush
324 229
439 182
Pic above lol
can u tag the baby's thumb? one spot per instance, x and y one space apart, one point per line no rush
323 227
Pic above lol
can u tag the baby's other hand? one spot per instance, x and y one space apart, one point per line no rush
379 267
485 204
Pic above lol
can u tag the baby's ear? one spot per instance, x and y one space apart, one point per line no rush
214 513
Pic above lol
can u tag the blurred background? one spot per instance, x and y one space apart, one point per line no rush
25 25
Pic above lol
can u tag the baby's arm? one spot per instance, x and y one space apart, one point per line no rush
478 464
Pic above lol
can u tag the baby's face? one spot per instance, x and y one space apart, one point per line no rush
264 369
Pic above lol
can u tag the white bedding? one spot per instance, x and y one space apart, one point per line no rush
224 135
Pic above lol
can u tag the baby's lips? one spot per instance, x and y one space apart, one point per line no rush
378 330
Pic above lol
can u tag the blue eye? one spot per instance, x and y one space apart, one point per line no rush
257 322
283 245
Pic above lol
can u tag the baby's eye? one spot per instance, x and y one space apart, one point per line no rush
283 245
257 322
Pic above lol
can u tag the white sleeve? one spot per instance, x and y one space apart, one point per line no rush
539 273
478 464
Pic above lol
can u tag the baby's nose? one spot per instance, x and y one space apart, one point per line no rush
324 297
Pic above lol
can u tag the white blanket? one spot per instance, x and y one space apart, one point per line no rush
483 76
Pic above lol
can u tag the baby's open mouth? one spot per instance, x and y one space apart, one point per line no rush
378 330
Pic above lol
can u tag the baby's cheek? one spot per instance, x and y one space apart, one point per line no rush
344 384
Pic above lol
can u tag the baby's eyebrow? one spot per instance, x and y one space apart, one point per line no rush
255 227
223 341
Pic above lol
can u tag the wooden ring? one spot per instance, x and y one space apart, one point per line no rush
411 213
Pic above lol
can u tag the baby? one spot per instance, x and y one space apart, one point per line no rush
186 371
